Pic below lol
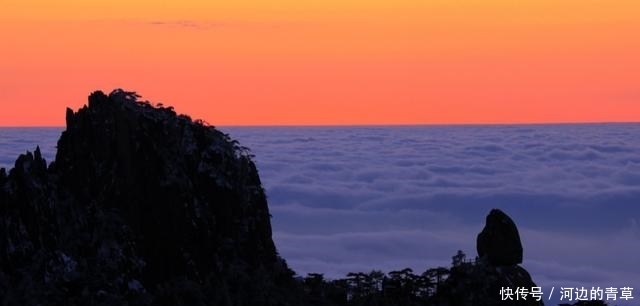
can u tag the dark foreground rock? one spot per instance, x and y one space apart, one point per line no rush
486 281
499 242
140 207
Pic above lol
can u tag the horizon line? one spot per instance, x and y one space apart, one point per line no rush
381 124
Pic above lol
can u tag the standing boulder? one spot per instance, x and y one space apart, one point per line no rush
499 242
495 272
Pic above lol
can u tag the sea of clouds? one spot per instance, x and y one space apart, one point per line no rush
347 199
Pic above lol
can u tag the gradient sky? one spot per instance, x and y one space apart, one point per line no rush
327 62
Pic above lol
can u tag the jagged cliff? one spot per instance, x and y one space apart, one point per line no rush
141 206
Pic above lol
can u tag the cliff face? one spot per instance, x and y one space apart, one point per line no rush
141 206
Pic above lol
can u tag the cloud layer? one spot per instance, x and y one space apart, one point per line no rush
360 198
17 140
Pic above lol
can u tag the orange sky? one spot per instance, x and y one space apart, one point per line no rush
327 62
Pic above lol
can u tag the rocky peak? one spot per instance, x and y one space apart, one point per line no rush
141 206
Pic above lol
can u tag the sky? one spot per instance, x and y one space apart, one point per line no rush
326 62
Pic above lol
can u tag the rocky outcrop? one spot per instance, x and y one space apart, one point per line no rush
486 281
499 242
141 206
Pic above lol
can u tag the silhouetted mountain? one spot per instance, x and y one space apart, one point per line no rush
146 207
140 207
